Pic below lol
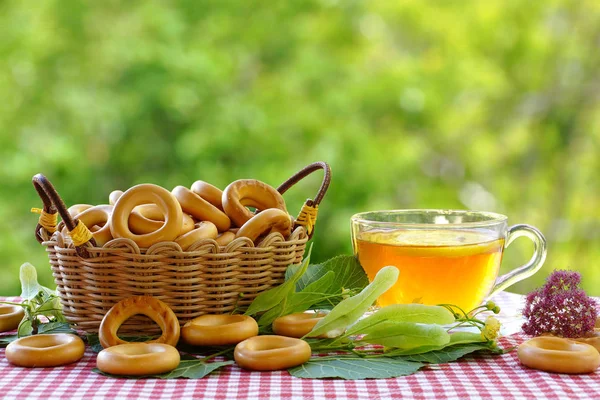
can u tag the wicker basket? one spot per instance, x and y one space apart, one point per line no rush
205 279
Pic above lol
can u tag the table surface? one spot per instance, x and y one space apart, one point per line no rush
473 377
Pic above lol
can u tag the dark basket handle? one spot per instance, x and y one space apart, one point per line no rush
53 203
304 172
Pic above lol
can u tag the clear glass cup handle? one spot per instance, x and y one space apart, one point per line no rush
532 266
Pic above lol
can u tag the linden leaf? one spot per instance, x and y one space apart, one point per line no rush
418 313
351 309
355 368
275 296
189 367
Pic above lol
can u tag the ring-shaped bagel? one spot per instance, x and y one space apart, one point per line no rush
138 359
218 330
296 325
201 209
271 353
144 194
204 230
45 350
78 209
555 354
592 340
147 218
114 196
141 225
265 222
150 211
249 193
208 192
10 317
98 215
150 306
225 238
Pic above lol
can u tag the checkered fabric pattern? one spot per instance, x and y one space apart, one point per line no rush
476 377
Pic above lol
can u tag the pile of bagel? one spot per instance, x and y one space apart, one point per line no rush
284 349
149 214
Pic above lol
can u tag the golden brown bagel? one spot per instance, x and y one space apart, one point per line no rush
265 222
209 193
150 306
593 339
147 218
554 354
145 194
201 209
114 196
271 353
98 215
204 230
249 193
296 325
218 330
225 238
138 359
45 350
78 209
10 317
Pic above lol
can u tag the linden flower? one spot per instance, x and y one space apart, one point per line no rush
491 328
560 307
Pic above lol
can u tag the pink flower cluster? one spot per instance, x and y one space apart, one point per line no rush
560 307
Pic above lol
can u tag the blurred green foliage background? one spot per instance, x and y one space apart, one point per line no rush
489 105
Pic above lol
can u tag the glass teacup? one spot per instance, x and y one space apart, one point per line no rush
444 256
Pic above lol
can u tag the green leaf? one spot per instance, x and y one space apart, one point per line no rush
351 309
419 313
457 338
447 354
189 367
407 335
324 345
25 328
348 275
6 339
94 341
51 307
56 327
355 368
275 296
266 319
51 303
30 288
29 283
193 369
205 351
299 302
466 337
310 295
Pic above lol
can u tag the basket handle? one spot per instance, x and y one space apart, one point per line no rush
53 203
308 214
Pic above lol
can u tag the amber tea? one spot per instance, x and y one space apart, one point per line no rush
444 256
458 267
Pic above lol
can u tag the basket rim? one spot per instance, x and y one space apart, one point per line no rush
62 243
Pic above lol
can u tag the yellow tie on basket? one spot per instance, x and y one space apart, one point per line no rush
81 234
48 221
308 217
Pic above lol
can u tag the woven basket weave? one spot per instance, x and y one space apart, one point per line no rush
204 279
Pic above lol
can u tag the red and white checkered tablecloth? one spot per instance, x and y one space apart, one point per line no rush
475 377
